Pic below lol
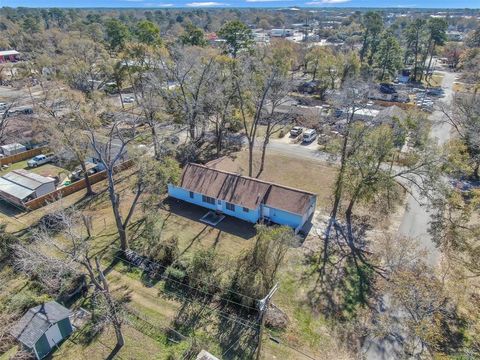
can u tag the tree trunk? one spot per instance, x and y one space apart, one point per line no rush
156 149
87 180
121 229
364 45
219 141
337 199
430 61
250 157
264 150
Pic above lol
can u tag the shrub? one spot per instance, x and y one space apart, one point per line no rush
202 270
281 134
24 300
175 274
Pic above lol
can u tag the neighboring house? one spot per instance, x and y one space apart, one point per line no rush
243 197
19 186
43 328
281 32
9 55
12 149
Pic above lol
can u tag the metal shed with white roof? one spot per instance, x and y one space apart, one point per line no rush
19 186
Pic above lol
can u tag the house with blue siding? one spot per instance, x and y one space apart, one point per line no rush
243 197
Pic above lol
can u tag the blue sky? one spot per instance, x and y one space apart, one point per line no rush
243 3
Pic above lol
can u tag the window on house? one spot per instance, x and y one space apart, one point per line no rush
208 199
230 207
245 209
191 194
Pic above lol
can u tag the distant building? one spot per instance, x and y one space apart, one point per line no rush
455 36
43 328
12 149
9 55
244 197
261 37
20 186
281 32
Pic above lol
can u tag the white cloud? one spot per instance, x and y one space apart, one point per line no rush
155 4
260 1
326 2
205 4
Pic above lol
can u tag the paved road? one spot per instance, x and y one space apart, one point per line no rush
415 224
416 219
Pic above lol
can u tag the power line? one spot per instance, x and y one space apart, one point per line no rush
220 313
206 283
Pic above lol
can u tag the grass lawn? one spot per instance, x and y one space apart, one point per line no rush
44 170
154 302
137 346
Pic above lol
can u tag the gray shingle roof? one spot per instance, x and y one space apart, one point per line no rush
243 190
37 320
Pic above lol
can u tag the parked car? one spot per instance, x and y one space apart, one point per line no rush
3 106
295 131
128 99
309 135
91 168
40 160
435 92
387 88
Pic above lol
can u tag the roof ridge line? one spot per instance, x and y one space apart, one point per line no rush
253 179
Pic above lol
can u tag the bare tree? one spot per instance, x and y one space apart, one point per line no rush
189 68
111 151
63 108
72 256
259 92
4 122
464 116
351 99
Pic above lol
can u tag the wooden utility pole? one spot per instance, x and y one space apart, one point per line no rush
263 306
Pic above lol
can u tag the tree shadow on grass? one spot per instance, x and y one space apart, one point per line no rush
218 327
344 279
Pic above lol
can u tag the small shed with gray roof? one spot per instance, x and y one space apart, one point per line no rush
43 328
19 186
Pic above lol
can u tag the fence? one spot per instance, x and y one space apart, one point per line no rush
70 189
22 156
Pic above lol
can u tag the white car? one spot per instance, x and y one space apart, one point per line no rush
128 99
309 135
40 160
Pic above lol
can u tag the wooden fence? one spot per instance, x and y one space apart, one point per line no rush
22 156
70 189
